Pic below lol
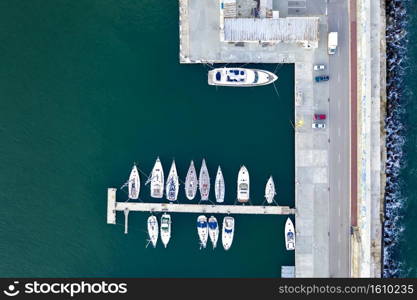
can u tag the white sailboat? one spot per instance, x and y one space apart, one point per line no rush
219 186
243 185
270 190
289 235
240 77
204 183
202 230
172 185
165 229
153 230
191 182
228 232
157 180
213 228
134 183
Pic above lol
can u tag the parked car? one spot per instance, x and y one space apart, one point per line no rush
318 125
319 117
319 67
322 78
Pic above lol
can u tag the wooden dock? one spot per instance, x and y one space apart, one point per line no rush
113 206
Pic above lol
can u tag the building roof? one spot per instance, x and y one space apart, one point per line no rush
290 30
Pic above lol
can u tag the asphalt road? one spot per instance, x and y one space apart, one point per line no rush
339 153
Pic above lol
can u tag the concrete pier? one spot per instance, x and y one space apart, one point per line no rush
113 206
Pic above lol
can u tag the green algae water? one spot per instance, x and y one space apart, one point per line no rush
89 87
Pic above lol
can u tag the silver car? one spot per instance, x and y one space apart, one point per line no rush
318 125
319 67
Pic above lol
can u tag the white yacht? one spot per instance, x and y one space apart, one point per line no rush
172 184
134 183
157 180
289 235
270 190
240 77
228 232
191 182
153 230
219 186
213 228
204 183
202 229
165 229
243 185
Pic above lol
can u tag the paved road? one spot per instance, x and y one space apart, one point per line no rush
339 163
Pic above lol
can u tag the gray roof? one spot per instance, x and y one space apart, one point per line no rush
305 29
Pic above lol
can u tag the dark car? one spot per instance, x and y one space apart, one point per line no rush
322 78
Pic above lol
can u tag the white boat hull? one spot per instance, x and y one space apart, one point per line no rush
289 235
191 182
202 230
165 229
243 185
213 227
172 185
204 182
228 229
219 187
240 77
153 230
270 190
134 184
157 180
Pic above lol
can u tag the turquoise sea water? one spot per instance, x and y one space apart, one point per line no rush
89 87
407 253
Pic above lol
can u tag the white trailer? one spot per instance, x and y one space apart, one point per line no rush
332 42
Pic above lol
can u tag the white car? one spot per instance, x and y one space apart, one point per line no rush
319 67
318 125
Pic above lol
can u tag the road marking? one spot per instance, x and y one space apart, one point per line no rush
339 158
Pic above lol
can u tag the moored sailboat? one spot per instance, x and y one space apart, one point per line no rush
165 229
204 182
219 187
270 190
289 235
213 228
202 230
157 180
191 182
134 183
153 230
172 185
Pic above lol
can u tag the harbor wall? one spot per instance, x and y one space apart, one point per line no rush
371 153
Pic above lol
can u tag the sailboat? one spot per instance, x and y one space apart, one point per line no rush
157 180
153 230
228 232
289 235
213 228
204 183
191 182
243 185
202 230
134 183
270 190
219 186
172 184
165 229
